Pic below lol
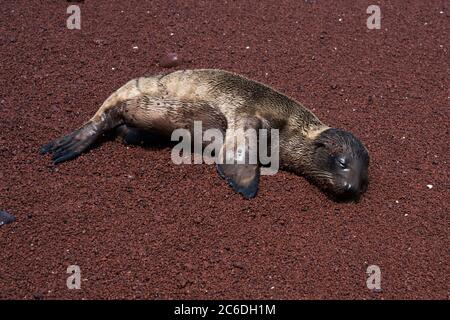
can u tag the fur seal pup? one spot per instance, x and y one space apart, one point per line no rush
332 158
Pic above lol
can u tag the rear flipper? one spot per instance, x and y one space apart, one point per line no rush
129 135
134 136
72 145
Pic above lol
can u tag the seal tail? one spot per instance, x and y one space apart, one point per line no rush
72 145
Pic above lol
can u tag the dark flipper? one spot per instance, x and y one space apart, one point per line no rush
75 143
134 136
141 137
238 161
72 145
243 178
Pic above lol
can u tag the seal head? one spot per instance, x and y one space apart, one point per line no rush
340 163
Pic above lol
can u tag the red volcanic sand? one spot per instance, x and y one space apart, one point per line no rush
140 226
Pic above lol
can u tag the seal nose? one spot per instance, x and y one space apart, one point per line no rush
351 188
354 179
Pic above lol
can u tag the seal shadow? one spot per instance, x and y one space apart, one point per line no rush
144 138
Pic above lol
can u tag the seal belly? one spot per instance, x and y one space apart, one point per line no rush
166 114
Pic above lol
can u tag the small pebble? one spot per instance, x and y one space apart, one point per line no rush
100 42
189 266
169 60
198 219
429 186
38 296
6 218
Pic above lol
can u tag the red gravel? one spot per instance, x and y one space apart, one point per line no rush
141 227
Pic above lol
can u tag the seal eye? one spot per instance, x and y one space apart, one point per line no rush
342 163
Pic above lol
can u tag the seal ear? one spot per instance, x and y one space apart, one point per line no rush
238 165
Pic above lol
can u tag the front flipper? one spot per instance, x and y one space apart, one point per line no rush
243 178
237 162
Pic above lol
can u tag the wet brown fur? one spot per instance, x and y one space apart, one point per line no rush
219 99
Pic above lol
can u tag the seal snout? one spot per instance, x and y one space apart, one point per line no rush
355 180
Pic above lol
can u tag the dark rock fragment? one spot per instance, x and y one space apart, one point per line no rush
6 218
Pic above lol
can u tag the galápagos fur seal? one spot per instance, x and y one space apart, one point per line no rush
332 158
